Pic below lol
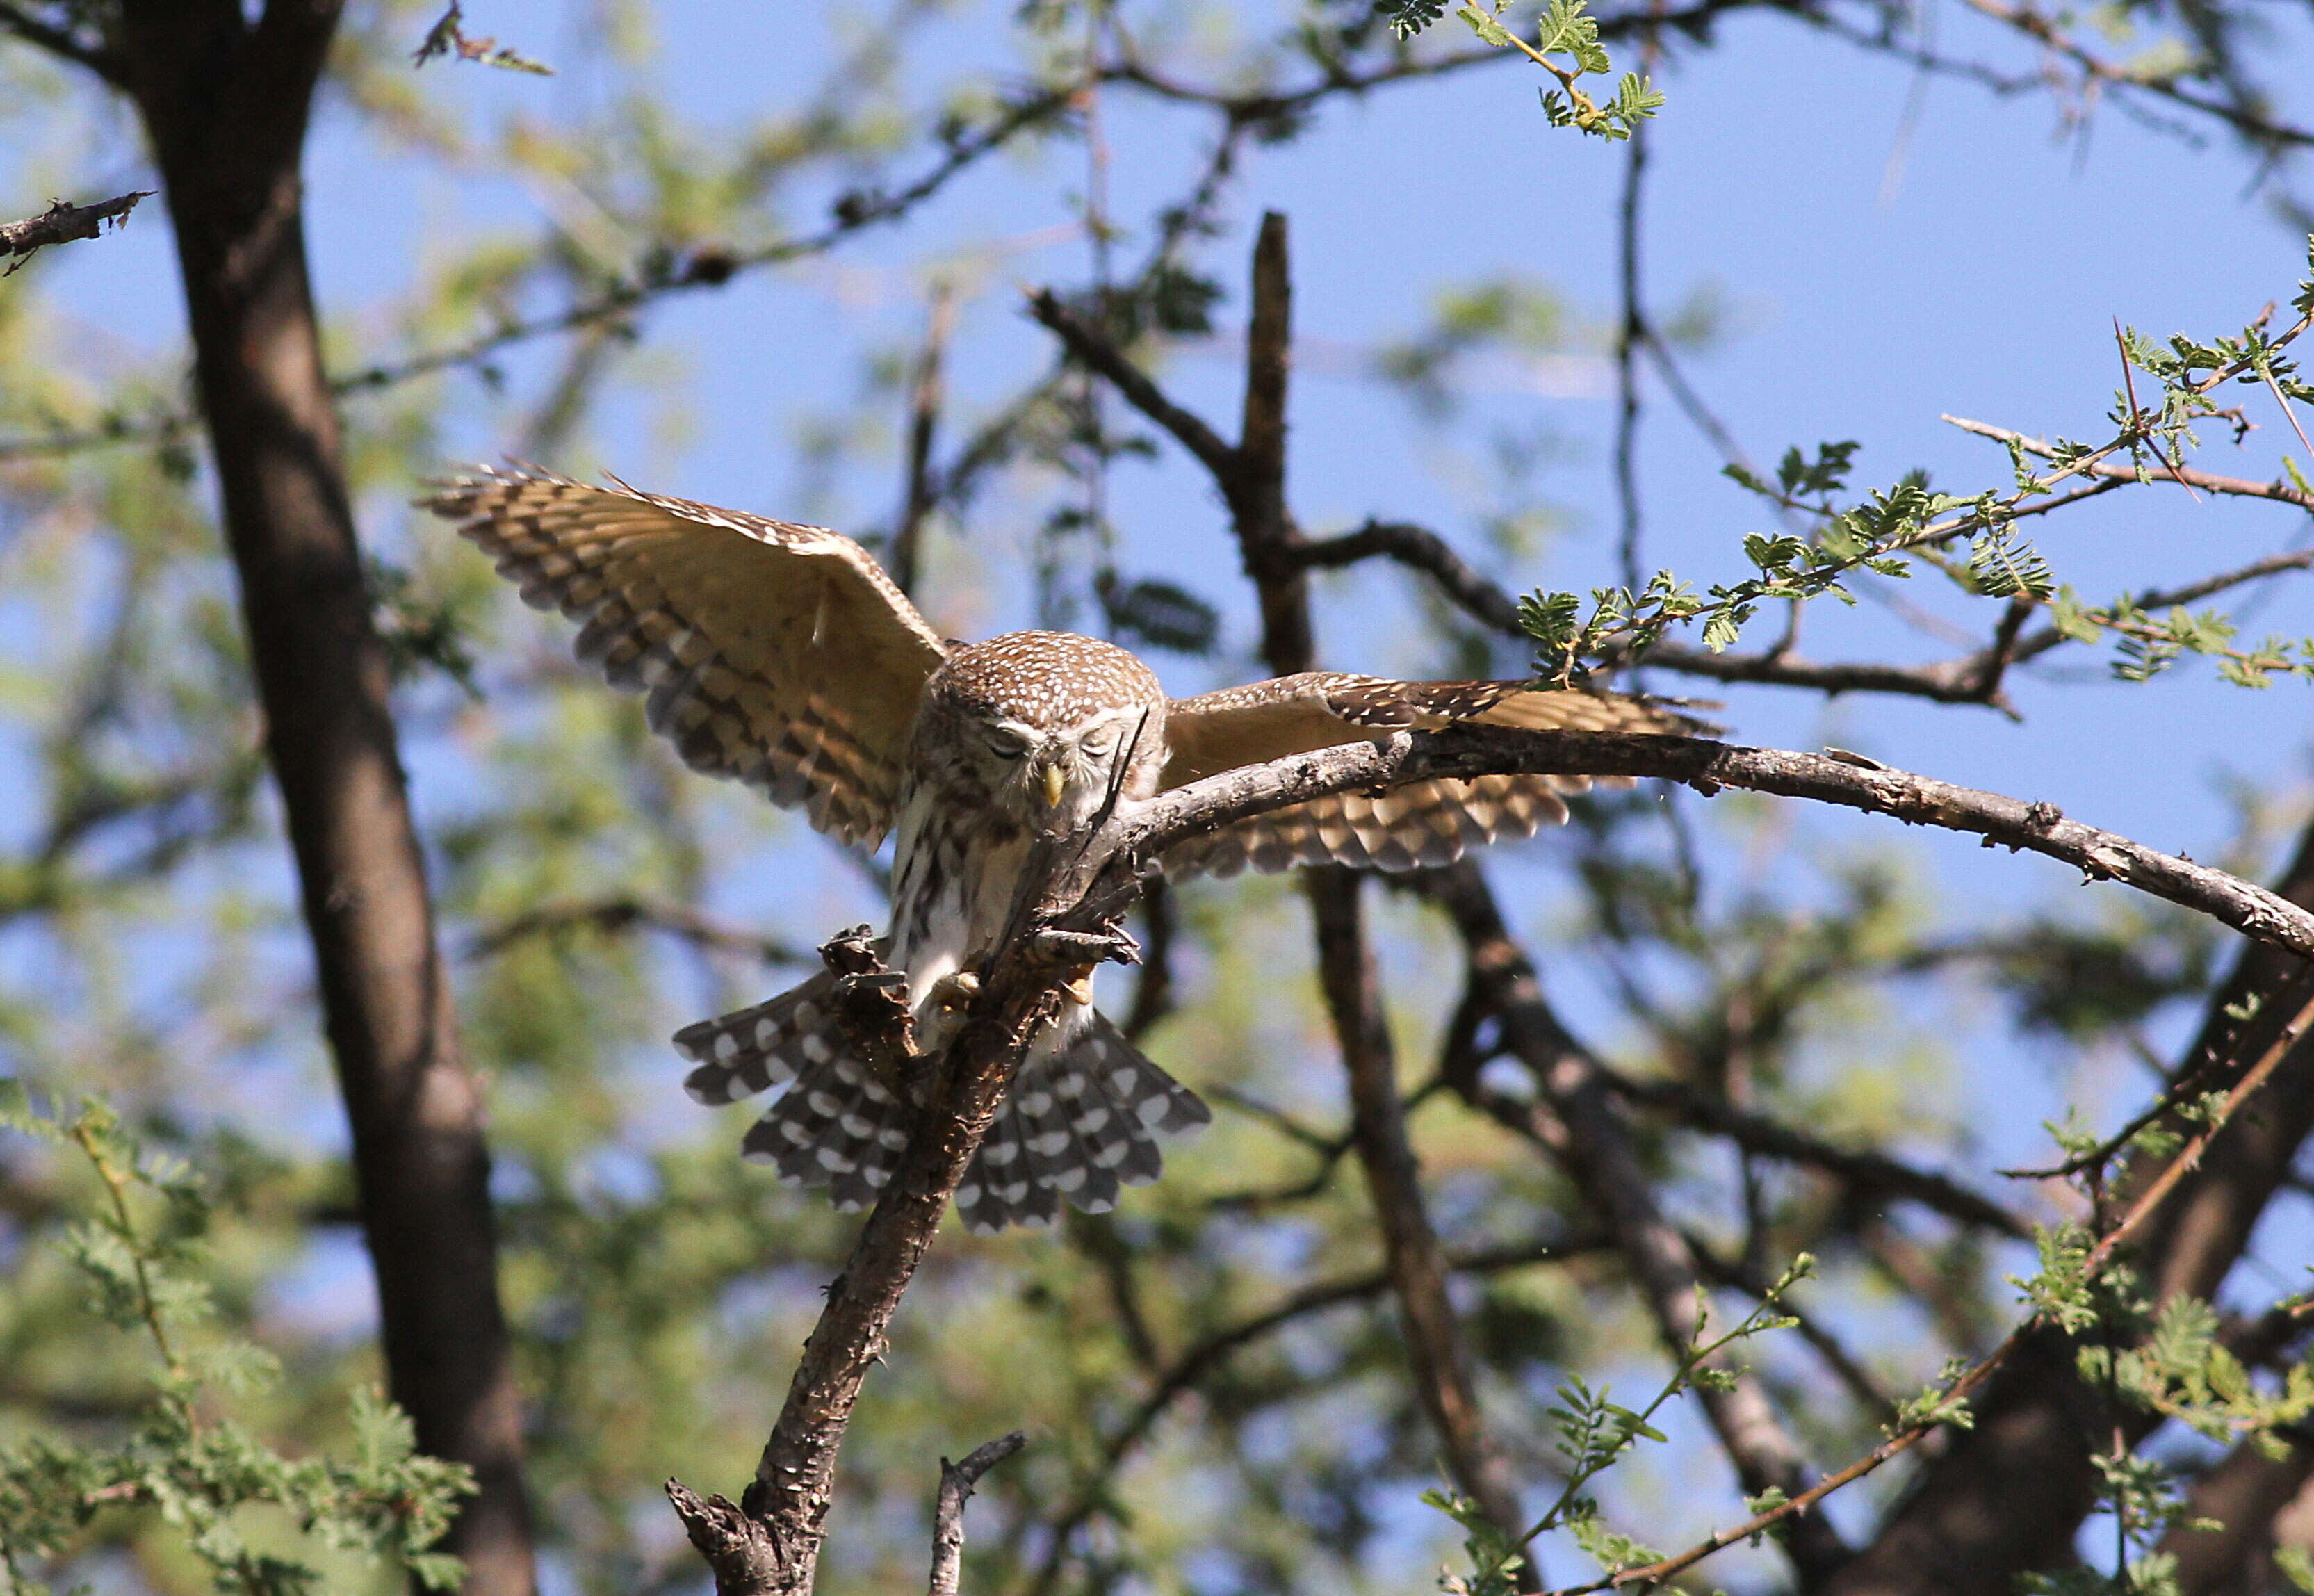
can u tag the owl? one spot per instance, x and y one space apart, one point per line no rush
783 656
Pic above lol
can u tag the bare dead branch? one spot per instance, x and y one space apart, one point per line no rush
1251 477
1419 548
1096 350
957 1481
62 222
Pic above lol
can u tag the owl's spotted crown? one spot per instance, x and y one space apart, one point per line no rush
1046 679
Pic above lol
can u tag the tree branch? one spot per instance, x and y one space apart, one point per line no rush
1251 478
62 222
1145 831
1579 1125
956 1481
614 916
100 59
1204 1358
1095 349
769 1544
2126 471
1861 1170
921 492
2010 1495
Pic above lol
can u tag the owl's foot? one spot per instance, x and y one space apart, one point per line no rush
1080 990
956 989
1086 949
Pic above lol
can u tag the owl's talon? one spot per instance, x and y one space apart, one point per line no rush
956 989
1113 946
1080 991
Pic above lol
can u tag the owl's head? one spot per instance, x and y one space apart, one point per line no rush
1045 724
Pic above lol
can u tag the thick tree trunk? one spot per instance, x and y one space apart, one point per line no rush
224 102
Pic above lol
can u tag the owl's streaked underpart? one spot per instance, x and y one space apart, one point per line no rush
783 656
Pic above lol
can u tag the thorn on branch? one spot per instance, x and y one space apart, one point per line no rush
62 222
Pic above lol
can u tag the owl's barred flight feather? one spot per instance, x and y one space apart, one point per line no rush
1073 1128
782 656
775 654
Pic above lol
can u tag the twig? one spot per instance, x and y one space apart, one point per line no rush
106 63
2260 130
1628 340
2092 1267
1740 1276
62 222
924 400
956 1481
1581 1127
2158 598
1205 1357
614 916
2188 476
1153 993
1862 1170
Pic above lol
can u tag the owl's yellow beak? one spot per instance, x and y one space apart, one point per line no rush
1056 784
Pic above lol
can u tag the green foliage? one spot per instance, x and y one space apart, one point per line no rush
184 1458
2062 1291
1595 1433
1408 18
421 631
2170 1361
1891 531
1565 27
1935 1403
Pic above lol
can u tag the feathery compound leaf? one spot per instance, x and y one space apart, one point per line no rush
184 1455
1408 18
2003 567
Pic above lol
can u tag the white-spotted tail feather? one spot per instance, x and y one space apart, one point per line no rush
1074 1128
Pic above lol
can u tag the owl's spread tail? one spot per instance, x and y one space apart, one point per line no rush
1076 1125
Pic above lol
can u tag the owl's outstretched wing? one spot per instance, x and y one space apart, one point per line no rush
1423 824
776 655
